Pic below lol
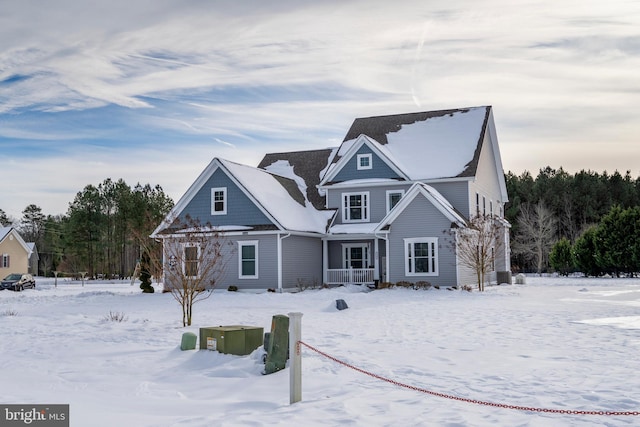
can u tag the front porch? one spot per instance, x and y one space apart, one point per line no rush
353 259
350 276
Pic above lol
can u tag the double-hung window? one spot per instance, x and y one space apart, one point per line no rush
190 264
5 261
355 207
248 259
421 256
219 201
393 197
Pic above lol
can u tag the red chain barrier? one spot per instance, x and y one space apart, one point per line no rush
462 399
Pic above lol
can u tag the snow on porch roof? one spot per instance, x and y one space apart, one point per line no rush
427 145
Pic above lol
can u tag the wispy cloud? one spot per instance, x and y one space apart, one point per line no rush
159 81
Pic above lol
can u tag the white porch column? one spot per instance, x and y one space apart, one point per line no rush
388 257
325 260
376 259
279 255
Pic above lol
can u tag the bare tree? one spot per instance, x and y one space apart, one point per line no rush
195 260
478 243
536 233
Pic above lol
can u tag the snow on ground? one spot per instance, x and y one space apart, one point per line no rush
553 343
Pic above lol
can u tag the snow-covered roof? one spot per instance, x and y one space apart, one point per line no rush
4 232
363 228
427 145
271 194
279 197
304 167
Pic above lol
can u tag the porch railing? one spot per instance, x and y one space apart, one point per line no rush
350 275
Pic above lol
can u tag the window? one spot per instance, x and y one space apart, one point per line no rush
484 205
364 161
421 256
393 197
248 260
477 204
191 261
355 207
219 201
5 260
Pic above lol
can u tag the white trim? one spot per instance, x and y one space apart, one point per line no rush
369 164
211 168
432 256
280 238
346 256
432 195
388 197
222 190
349 153
365 206
253 243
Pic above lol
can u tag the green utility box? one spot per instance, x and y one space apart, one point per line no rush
188 341
235 339
278 348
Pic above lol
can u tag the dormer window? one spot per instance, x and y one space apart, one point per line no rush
364 161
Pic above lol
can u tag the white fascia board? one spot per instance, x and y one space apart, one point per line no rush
247 233
493 136
410 195
13 232
251 197
188 195
361 140
445 180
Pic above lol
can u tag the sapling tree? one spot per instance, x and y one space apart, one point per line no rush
536 233
478 243
195 261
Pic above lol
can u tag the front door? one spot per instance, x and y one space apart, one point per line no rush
356 255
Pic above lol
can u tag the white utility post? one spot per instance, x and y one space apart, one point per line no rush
295 358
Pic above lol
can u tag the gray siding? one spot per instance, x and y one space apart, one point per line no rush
240 209
379 168
377 199
267 263
302 261
422 219
457 193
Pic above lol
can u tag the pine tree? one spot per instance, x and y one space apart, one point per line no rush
145 276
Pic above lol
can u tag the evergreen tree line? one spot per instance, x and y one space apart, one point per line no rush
104 233
575 214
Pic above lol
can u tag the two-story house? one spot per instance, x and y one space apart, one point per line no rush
383 206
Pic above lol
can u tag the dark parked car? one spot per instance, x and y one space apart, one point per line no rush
18 282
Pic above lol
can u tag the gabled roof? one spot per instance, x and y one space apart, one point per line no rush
305 167
4 234
348 150
278 197
431 194
426 145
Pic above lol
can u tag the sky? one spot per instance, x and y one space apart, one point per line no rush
151 91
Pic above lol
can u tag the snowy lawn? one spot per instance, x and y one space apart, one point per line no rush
553 343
